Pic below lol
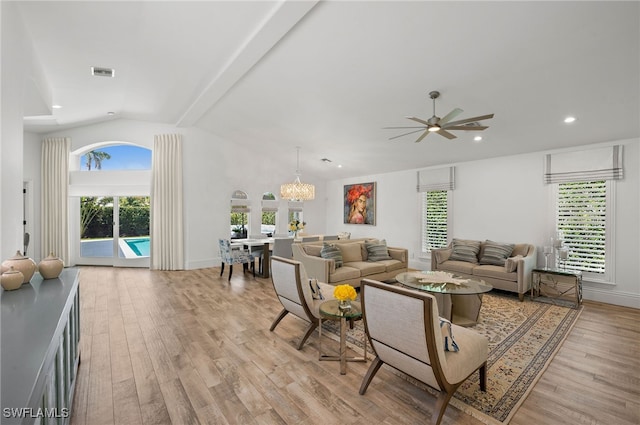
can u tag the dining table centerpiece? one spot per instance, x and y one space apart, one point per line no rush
295 226
345 294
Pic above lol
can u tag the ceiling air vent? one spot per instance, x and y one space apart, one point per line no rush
103 72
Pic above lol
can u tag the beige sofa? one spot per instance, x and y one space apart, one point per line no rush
356 264
513 275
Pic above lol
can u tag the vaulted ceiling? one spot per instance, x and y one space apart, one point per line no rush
328 76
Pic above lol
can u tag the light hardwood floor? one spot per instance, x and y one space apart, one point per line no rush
189 348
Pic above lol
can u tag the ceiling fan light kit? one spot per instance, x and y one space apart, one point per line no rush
443 125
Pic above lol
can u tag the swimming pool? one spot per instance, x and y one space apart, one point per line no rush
141 247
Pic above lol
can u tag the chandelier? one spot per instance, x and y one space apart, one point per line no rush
297 191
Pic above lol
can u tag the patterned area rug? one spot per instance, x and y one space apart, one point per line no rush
523 338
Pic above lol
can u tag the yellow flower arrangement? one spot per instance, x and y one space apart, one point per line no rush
296 225
344 292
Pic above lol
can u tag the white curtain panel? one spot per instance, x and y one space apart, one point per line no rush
593 164
54 197
436 179
167 228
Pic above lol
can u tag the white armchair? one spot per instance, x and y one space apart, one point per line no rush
405 332
295 294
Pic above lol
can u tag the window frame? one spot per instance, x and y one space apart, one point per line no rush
608 277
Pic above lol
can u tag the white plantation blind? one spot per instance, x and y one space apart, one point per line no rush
593 164
270 205
434 220
436 179
581 217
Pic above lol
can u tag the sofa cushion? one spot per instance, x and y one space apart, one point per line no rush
495 253
313 250
344 273
330 252
350 252
377 251
391 265
496 272
367 268
458 266
465 250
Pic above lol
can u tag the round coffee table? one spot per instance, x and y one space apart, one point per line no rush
459 299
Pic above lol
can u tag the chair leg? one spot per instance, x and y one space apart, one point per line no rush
483 377
312 327
441 405
373 369
278 319
221 269
230 270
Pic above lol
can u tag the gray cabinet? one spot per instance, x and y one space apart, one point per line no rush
40 350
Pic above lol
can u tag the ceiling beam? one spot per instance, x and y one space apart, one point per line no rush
283 17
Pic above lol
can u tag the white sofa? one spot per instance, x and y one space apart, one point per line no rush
356 262
514 274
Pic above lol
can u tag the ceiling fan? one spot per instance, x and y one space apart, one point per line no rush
442 125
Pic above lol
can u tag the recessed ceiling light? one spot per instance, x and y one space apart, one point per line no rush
477 138
339 166
56 106
111 113
569 120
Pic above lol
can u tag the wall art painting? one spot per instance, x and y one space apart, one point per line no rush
360 203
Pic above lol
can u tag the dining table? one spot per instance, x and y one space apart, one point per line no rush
250 245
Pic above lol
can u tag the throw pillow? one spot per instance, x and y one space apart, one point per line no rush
316 292
377 251
512 263
496 253
465 250
331 252
350 252
447 335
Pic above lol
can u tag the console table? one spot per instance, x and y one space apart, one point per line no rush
557 284
40 349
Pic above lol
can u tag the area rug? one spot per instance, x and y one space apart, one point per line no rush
523 339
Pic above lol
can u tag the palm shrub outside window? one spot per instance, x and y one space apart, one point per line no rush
434 219
581 217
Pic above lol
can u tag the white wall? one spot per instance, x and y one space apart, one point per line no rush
503 199
213 169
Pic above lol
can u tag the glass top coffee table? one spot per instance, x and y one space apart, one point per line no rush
459 299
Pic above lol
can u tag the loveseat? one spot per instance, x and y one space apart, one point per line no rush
505 266
350 260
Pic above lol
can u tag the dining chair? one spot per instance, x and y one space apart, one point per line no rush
234 256
330 238
294 292
310 239
415 341
282 247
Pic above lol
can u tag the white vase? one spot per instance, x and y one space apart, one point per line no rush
11 279
50 267
24 265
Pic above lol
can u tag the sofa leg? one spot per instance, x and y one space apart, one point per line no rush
521 296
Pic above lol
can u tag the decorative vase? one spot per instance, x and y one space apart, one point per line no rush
344 305
11 279
50 267
24 265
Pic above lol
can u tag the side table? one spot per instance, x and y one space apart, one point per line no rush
557 284
329 311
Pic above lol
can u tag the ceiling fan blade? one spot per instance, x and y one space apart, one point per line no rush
421 121
395 128
451 115
425 134
467 120
406 134
446 134
467 127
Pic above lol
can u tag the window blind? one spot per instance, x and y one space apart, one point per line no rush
593 164
434 220
581 217
436 179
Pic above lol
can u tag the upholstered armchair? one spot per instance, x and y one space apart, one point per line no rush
405 332
297 295
234 256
